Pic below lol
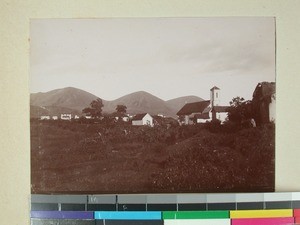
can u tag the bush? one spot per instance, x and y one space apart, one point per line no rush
214 126
231 127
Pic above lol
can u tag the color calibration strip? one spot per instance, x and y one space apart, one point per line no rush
237 217
220 209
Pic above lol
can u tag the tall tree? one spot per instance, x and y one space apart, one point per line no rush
240 110
95 109
121 109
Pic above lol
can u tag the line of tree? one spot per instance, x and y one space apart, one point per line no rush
95 109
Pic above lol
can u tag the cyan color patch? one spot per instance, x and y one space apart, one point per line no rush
133 215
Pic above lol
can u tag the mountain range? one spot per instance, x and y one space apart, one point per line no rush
73 100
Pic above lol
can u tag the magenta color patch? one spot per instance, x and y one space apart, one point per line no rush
263 221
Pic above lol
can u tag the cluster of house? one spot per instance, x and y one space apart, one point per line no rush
136 120
264 99
64 116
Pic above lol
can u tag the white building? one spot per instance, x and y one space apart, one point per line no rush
142 119
45 118
55 117
272 108
125 118
66 116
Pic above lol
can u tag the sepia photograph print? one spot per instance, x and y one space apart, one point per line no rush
152 105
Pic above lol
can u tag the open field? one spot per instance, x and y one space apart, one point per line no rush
74 157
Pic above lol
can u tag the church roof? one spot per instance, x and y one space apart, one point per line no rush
215 88
195 107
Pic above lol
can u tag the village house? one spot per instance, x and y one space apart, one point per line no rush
164 121
45 118
66 116
120 116
204 111
161 115
264 101
125 118
142 119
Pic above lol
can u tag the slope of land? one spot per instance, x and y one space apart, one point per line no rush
73 157
69 97
140 102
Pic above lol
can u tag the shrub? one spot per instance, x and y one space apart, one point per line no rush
214 126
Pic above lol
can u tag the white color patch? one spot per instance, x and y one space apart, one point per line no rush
198 222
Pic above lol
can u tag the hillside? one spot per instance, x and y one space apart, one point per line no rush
140 102
73 100
69 97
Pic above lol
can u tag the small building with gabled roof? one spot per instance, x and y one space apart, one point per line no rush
142 119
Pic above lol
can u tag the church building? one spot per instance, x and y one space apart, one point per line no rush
204 111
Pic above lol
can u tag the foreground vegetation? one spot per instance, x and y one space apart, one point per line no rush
90 157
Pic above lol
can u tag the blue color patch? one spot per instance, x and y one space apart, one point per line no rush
132 215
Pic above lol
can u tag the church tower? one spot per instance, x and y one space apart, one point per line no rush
215 96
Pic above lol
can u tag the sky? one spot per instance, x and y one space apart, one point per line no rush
167 57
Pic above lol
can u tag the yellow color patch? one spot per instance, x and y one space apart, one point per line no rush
269 213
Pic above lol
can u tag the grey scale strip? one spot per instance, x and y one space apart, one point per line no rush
221 201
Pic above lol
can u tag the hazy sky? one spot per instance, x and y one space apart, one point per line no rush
167 57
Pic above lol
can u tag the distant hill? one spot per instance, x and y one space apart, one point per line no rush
69 97
73 100
140 102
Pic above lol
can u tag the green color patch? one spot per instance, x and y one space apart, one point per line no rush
195 215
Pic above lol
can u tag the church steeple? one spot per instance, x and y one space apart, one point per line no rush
214 96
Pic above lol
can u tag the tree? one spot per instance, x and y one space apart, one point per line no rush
95 109
240 110
121 109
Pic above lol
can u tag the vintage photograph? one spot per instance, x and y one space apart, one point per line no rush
152 105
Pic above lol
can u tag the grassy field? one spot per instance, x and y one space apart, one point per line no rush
74 157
